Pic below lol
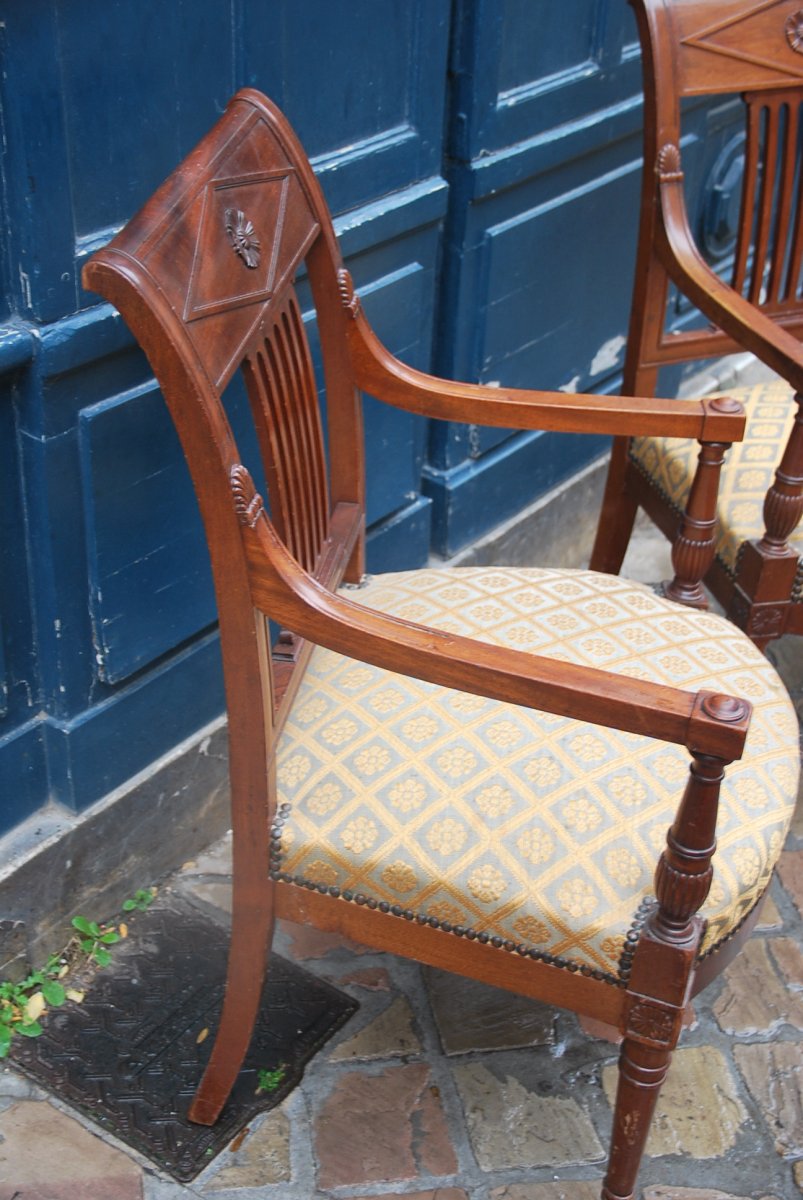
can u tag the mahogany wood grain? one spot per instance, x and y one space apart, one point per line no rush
714 47
204 277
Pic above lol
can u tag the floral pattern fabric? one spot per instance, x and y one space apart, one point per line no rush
670 463
535 828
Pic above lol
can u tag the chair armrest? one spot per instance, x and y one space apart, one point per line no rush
377 371
723 306
291 596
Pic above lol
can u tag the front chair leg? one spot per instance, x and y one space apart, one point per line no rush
642 1070
251 935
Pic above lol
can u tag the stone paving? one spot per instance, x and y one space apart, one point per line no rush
445 1089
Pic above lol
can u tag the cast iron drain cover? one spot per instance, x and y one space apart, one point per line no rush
128 1055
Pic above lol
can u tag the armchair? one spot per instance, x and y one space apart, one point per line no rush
713 47
473 768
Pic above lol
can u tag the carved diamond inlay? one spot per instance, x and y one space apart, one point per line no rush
766 24
233 210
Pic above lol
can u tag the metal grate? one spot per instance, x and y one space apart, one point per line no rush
128 1057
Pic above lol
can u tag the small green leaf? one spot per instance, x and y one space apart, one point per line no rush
28 1029
110 938
102 957
82 925
53 992
129 905
87 945
5 1040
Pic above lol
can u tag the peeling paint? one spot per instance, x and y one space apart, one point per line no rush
607 355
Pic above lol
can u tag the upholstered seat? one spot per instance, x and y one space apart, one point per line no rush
670 463
527 827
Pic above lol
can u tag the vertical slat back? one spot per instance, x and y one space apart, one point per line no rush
747 219
767 261
281 388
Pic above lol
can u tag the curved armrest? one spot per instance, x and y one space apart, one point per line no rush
743 321
281 588
378 372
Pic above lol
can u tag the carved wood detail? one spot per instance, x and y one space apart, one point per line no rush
248 504
351 301
242 236
669 168
794 31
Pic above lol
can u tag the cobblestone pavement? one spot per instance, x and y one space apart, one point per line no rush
444 1089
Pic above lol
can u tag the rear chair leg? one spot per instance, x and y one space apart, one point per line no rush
251 936
617 515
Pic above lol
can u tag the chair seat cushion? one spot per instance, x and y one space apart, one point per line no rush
535 829
670 463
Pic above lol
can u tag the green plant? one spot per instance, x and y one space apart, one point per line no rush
21 1004
269 1081
140 901
95 938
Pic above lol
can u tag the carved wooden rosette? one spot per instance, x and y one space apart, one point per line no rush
794 31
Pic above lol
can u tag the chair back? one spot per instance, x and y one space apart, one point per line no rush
204 276
719 47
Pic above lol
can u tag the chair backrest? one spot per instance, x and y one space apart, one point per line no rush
204 276
716 47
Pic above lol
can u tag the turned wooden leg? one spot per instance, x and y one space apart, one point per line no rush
252 931
642 1070
661 979
783 505
617 514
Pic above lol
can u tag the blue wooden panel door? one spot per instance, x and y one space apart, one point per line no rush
120 608
544 187
482 160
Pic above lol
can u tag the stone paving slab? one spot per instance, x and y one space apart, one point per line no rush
699 1112
389 1127
47 1155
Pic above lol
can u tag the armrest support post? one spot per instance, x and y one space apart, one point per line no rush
693 549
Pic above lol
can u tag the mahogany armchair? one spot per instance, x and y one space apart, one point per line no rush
692 48
474 768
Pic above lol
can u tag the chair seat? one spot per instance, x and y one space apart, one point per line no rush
670 463
535 829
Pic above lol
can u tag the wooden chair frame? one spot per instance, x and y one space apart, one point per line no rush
162 272
711 47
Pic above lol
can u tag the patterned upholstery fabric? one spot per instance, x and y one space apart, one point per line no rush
749 468
537 829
